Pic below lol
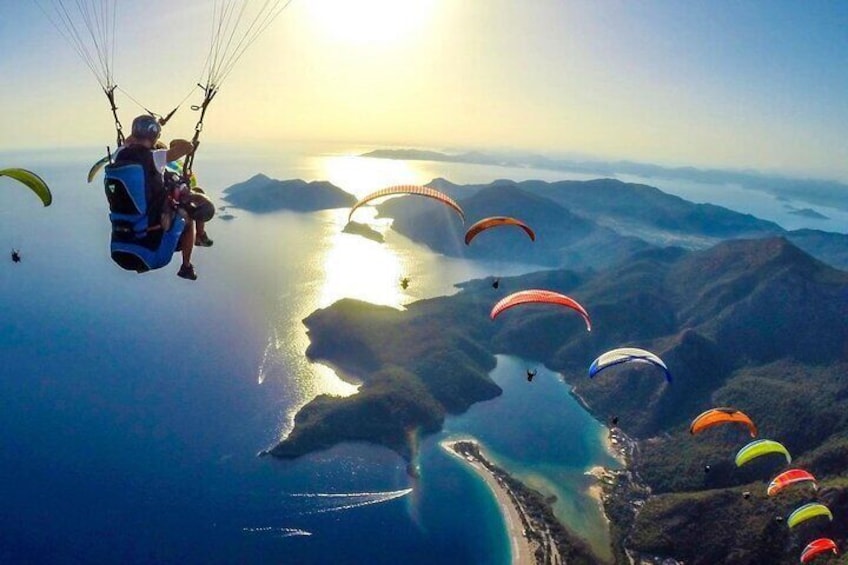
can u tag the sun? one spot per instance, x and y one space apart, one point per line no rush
369 21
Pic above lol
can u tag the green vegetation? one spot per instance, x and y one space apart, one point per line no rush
754 324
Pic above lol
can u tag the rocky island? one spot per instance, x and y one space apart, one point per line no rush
262 194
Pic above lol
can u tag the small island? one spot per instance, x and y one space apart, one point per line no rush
363 230
262 194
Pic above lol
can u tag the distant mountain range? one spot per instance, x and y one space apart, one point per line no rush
756 323
262 194
582 224
579 224
816 191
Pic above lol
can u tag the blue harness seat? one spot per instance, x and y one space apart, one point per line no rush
138 241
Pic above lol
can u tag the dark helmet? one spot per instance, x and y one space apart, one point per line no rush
146 127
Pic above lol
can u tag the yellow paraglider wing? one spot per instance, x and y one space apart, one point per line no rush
759 448
808 511
95 168
32 181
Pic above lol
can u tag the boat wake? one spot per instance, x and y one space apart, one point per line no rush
277 532
271 358
319 503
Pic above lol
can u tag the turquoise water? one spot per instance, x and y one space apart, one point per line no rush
132 406
540 434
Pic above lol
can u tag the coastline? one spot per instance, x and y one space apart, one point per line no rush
536 534
523 550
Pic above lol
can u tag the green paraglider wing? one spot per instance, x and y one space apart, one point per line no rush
808 511
758 448
95 168
32 181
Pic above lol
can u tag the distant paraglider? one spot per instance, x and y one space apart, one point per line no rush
627 355
718 416
759 448
790 477
817 547
536 296
16 256
807 512
95 168
493 221
409 189
32 181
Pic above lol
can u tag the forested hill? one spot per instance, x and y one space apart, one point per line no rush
757 324
263 194
588 223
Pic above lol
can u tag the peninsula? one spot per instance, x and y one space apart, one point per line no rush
536 536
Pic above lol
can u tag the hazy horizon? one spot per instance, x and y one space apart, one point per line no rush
757 85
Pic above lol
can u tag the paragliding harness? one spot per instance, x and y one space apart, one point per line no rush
137 198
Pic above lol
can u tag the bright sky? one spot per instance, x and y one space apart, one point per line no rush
758 84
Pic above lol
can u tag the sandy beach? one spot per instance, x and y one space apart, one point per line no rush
523 551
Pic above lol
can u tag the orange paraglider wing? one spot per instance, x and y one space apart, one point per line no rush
717 416
409 189
493 221
536 296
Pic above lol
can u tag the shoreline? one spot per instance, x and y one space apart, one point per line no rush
522 550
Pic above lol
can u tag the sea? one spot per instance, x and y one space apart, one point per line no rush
133 407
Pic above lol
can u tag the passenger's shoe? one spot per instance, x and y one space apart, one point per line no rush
202 240
187 272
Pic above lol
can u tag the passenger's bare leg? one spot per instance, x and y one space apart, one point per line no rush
187 242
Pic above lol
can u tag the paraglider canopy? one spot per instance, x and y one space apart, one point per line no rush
493 221
32 181
816 547
718 416
790 477
758 448
409 189
808 511
627 355
536 296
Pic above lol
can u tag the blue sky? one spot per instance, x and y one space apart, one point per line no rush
756 84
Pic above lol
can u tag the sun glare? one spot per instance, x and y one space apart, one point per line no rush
363 175
368 21
355 267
